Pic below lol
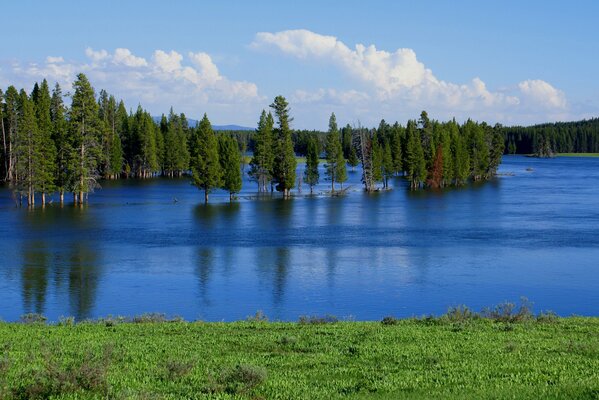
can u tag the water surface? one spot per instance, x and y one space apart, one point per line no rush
151 246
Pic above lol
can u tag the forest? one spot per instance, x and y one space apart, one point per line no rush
49 147
548 139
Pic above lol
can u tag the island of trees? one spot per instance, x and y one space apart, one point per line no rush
544 140
49 147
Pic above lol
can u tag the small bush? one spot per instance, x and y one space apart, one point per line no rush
239 380
287 340
258 317
150 318
317 320
66 321
175 369
390 321
510 313
547 317
460 314
33 318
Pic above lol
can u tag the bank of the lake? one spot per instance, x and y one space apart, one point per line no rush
412 358
577 154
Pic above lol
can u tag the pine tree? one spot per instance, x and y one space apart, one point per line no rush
62 142
377 160
11 115
396 148
261 164
230 164
415 162
335 166
46 167
284 161
387 165
85 131
461 158
311 174
4 141
27 149
353 159
205 166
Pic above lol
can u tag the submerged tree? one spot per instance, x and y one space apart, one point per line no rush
284 161
84 132
205 165
261 165
230 164
335 166
311 175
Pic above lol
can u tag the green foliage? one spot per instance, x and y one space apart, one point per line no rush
284 160
447 357
230 164
311 175
205 165
335 166
261 165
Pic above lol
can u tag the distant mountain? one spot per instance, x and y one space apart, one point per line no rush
194 122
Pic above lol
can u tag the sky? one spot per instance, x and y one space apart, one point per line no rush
508 62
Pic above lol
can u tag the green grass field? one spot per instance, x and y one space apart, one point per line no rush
413 358
578 154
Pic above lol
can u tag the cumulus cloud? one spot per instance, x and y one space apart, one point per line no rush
191 84
399 79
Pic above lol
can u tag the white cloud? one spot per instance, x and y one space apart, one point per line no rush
398 80
192 84
124 56
542 93
54 60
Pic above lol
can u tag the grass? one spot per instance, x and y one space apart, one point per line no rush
578 154
504 352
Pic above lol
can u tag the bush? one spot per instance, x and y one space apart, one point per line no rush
150 318
33 318
258 317
66 321
239 380
390 321
175 369
547 317
510 312
460 314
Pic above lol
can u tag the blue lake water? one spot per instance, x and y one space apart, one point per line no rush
134 250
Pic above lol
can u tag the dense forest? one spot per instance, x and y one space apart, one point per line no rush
560 137
49 147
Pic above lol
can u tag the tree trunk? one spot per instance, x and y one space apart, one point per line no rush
230 196
43 199
81 197
61 195
206 196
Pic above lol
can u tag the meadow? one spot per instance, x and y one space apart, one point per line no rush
459 355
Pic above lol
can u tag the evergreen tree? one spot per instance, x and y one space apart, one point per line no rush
396 148
46 167
353 159
27 149
62 143
205 166
415 162
311 174
261 165
4 141
388 168
284 165
84 131
230 164
11 119
377 160
335 166
461 158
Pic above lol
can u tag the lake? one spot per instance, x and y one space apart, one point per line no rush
151 246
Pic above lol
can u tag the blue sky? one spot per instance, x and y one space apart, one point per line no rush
504 62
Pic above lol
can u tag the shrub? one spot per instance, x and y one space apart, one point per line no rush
175 369
510 312
33 318
460 313
66 321
240 379
547 317
258 317
149 318
390 321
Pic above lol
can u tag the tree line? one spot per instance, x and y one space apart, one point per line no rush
49 147
560 137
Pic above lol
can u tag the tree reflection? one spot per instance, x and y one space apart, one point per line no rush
83 277
34 276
